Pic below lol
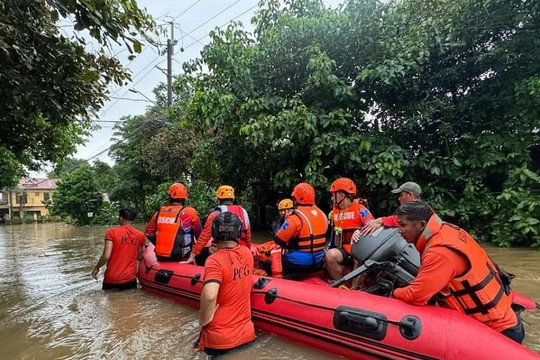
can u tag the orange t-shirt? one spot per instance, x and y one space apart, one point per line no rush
231 325
123 261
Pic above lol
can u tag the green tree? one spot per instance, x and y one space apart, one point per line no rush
135 182
444 92
50 86
65 167
77 195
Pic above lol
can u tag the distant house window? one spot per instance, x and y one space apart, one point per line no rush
36 193
46 196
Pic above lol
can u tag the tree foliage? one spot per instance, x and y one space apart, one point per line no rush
50 85
444 93
77 195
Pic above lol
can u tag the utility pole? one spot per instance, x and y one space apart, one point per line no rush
170 52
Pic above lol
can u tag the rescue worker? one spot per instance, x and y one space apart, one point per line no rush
285 207
225 305
225 199
457 271
303 234
409 191
347 216
174 228
123 247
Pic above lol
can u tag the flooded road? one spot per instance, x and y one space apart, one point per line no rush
51 308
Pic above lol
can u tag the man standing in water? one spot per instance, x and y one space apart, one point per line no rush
123 247
225 309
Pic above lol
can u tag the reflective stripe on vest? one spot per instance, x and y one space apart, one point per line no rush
312 238
479 291
242 214
170 237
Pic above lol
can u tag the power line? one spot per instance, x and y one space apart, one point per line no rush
183 12
234 18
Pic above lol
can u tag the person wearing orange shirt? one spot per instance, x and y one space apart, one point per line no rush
225 305
174 228
303 234
203 247
347 216
123 247
409 191
455 271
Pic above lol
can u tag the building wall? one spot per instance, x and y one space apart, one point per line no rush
34 202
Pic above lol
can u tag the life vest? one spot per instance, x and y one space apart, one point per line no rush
243 215
479 292
345 222
268 256
312 236
172 239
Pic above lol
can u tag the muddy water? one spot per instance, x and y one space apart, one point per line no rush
51 308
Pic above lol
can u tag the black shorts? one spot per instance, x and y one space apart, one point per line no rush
124 286
347 258
213 353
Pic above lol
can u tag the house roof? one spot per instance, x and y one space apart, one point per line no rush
39 183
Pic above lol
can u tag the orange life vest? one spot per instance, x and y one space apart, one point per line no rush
269 253
243 215
345 222
312 236
172 240
479 291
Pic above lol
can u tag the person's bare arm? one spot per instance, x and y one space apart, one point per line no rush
208 302
107 250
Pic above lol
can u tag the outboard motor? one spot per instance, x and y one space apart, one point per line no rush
385 259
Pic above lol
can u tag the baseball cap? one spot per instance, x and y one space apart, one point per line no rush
409 186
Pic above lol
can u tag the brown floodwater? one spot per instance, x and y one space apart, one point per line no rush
51 308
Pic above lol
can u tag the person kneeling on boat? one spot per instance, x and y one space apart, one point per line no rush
225 307
347 216
123 247
174 228
455 271
303 234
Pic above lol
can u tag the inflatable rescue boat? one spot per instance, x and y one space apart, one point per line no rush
353 324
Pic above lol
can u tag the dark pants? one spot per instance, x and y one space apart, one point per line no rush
213 353
516 332
124 286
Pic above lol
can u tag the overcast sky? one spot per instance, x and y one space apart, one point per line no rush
193 20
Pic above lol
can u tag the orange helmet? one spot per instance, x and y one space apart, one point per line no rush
343 184
178 191
304 194
225 192
285 204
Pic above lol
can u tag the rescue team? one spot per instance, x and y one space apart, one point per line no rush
455 272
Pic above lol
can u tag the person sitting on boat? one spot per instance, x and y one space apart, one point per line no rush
303 234
285 207
174 227
347 216
123 247
268 255
203 247
456 271
409 191
225 305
